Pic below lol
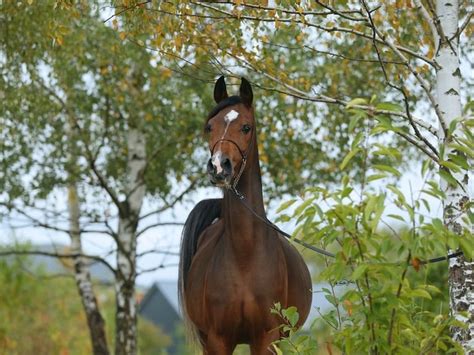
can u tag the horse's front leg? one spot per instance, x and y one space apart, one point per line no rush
215 344
263 345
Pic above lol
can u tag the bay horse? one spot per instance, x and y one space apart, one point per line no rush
233 267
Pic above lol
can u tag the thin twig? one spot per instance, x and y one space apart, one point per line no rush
126 9
329 29
58 255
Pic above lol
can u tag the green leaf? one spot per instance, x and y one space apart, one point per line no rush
356 102
303 206
375 177
359 271
462 148
357 139
277 349
291 314
396 216
348 157
452 125
450 165
387 168
459 160
353 122
285 205
467 245
397 192
388 106
438 224
446 176
419 292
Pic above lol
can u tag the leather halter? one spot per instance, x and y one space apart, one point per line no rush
244 156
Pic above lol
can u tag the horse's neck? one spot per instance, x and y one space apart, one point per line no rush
241 226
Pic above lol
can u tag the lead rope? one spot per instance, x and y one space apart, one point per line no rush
236 180
265 220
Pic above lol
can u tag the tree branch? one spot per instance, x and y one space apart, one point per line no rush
431 22
125 9
320 27
58 255
159 224
386 38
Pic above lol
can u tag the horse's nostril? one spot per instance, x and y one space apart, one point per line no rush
210 167
226 164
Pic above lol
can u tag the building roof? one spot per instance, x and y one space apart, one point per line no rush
160 306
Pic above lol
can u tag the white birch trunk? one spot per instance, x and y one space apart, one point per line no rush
448 79
82 276
126 318
83 279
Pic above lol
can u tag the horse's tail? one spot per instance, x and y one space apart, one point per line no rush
202 216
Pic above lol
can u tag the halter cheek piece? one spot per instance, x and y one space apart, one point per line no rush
244 156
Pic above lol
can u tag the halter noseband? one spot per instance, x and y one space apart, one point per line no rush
244 156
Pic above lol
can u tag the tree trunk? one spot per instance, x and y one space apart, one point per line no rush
126 318
83 279
461 271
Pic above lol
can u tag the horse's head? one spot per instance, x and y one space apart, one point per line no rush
230 129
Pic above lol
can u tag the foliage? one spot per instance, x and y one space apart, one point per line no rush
108 77
35 311
396 303
42 314
289 71
103 85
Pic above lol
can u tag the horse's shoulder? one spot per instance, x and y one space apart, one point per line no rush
288 248
211 233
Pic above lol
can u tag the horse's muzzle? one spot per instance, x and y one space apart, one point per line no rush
219 169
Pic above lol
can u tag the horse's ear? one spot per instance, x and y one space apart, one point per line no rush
220 91
246 93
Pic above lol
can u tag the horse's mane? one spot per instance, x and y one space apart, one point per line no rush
202 216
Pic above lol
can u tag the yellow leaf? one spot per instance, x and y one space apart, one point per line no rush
348 307
178 42
430 52
122 35
166 72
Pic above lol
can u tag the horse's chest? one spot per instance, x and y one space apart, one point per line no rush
240 292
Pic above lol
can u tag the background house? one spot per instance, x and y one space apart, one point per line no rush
160 306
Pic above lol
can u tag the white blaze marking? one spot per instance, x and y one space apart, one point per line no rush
228 118
216 161
231 115
216 158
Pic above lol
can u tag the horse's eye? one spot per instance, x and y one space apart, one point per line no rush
208 128
246 128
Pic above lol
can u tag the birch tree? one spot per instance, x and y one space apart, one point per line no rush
129 212
82 275
457 201
83 122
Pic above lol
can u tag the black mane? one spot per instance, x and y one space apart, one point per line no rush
201 217
232 100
